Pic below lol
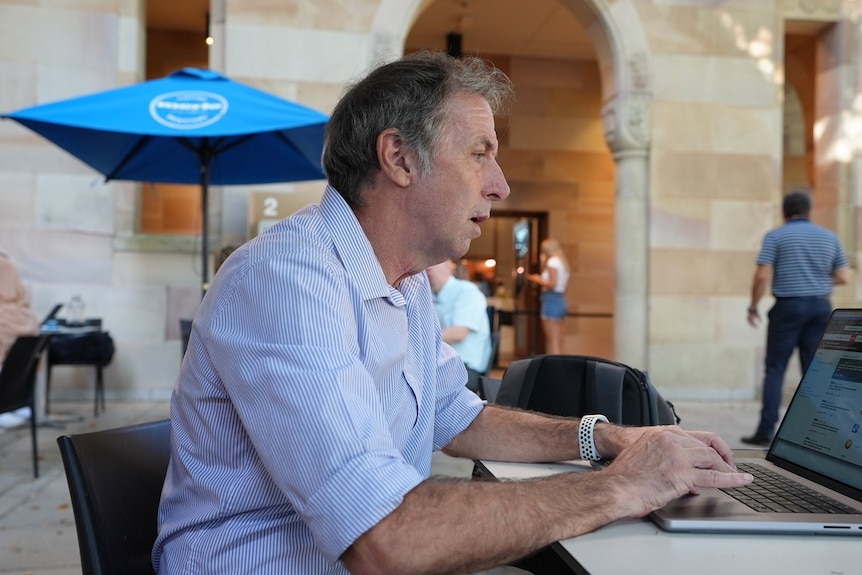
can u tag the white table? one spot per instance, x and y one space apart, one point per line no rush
639 547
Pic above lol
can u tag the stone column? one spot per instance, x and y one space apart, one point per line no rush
627 129
632 258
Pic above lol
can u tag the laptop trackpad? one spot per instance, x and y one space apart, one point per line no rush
710 503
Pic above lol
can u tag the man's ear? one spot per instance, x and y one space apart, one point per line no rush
396 161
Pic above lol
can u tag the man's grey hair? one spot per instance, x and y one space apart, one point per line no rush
410 95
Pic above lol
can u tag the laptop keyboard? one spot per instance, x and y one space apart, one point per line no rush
771 492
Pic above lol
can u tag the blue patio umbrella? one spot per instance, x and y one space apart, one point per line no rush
194 126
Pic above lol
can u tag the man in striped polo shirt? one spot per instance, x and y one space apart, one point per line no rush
804 261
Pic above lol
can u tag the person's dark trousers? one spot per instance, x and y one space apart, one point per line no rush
793 322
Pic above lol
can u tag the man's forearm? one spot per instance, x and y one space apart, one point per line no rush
758 284
653 465
521 517
455 333
540 437
841 276
757 289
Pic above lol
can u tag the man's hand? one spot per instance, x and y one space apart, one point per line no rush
611 440
762 275
666 462
753 317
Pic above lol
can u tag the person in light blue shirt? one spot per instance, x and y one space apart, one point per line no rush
463 313
316 384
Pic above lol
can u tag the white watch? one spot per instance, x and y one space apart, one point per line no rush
586 437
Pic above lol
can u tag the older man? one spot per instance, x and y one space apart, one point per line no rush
316 385
802 261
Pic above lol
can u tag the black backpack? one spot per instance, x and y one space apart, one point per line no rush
575 385
95 347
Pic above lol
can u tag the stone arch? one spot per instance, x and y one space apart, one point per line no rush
620 42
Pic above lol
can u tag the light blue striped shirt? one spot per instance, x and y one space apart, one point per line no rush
308 404
803 257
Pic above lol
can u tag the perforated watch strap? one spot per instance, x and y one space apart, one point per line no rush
586 437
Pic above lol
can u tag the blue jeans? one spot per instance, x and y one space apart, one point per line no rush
793 322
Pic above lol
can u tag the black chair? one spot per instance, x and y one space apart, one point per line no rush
18 382
185 335
115 480
93 347
485 384
53 313
495 350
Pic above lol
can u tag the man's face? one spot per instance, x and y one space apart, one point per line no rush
456 196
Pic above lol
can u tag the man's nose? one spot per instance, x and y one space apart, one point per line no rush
497 188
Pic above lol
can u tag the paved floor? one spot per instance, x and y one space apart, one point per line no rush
37 529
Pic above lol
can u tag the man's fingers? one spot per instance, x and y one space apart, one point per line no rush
721 480
714 441
707 458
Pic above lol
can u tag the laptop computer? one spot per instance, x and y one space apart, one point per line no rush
817 446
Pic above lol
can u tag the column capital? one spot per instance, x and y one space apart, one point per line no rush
627 123
626 114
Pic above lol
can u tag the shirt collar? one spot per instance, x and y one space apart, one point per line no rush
356 253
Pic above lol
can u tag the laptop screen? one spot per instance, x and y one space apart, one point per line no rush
821 428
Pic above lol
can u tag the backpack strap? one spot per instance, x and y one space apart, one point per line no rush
517 385
652 401
606 384
661 411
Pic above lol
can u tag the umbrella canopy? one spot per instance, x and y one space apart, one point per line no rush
194 126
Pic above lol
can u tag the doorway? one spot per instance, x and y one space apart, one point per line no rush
177 36
497 261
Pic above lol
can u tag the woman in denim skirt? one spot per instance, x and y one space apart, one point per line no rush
553 280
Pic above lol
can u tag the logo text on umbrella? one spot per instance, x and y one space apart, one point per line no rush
188 110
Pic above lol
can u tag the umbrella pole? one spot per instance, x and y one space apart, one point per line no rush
205 182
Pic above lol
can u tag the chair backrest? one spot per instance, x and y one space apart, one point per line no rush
185 334
18 376
115 479
495 348
53 313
